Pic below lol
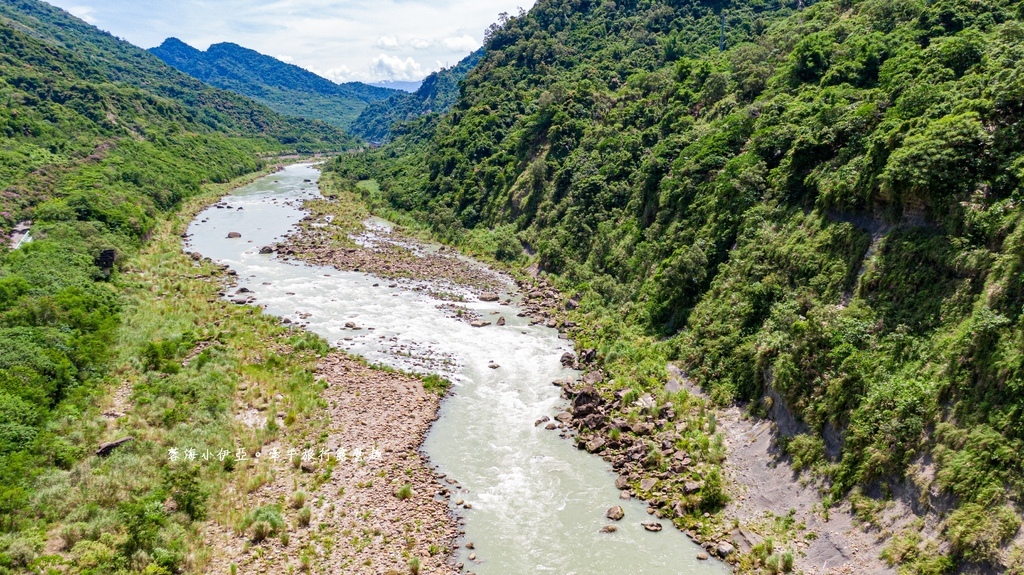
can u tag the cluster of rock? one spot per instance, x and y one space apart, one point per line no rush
382 494
391 256
544 305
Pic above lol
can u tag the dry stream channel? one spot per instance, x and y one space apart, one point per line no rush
537 503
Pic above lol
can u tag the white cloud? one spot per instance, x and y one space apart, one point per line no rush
87 13
283 58
344 37
465 43
387 67
337 74
387 42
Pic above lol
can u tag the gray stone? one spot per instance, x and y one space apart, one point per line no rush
615 513
648 483
725 549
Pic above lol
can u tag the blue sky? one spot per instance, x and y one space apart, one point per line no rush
366 40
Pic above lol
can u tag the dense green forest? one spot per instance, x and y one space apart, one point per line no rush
823 217
286 88
99 141
436 95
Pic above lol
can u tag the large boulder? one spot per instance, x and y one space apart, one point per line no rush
615 513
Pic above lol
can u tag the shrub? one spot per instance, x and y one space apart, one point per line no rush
404 492
298 500
305 514
712 494
805 451
185 488
977 532
260 531
436 384
265 522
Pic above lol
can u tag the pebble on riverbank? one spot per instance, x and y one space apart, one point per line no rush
368 409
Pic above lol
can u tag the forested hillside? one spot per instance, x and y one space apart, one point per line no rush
99 141
286 88
436 95
824 217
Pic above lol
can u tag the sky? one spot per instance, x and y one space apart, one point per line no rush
342 40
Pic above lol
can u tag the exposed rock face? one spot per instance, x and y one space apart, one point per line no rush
107 448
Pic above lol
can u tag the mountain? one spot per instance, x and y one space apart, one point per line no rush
122 63
286 88
436 94
399 85
821 222
101 144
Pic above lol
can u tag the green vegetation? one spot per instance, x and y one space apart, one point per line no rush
285 88
106 71
404 492
826 212
109 152
436 95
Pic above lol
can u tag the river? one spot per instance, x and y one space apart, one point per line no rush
538 503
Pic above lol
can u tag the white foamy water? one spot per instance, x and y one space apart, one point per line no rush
538 503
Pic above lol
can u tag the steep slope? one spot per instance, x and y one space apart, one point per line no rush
436 95
99 143
283 87
824 218
126 64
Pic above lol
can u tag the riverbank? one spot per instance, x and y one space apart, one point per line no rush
698 467
330 478
467 442
372 506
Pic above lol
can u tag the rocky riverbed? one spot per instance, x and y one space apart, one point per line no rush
374 506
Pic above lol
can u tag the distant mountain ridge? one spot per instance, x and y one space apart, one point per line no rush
437 94
285 88
398 85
